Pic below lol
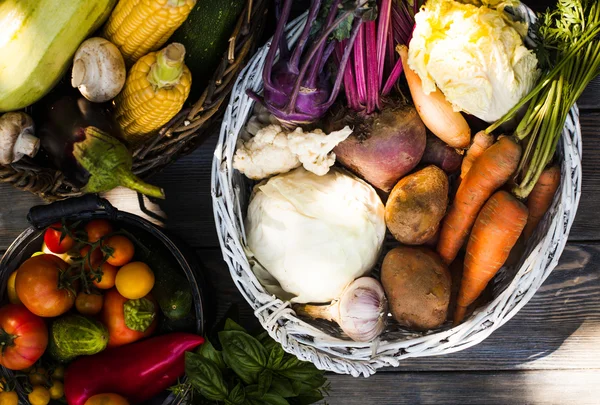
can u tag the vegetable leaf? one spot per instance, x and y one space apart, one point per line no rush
283 386
244 354
307 399
237 395
296 369
276 356
232 325
253 396
267 341
208 351
205 376
265 378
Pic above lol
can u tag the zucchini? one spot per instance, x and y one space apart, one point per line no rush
38 39
205 35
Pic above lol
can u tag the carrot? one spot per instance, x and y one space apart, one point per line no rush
435 111
493 168
497 229
481 141
541 197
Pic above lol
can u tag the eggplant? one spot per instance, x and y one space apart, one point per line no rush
81 139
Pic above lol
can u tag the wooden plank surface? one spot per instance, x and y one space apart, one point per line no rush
542 387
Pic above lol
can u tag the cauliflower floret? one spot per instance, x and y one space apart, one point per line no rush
273 151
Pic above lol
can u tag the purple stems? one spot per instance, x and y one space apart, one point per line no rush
371 62
279 36
359 66
313 73
382 37
294 63
394 76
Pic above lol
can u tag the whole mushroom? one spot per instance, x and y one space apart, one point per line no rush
17 137
98 70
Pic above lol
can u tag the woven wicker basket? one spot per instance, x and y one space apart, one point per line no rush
322 343
180 136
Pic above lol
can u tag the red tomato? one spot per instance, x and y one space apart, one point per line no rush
97 229
42 286
52 238
23 335
122 250
113 317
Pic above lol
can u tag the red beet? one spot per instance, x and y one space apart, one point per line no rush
384 146
439 154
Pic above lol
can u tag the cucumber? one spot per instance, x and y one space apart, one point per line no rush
205 35
38 39
76 335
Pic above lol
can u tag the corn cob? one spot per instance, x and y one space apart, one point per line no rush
137 27
155 90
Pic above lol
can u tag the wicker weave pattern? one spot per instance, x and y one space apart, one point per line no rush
320 343
184 133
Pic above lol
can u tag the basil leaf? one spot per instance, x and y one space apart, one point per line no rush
264 381
276 356
307 399
283 387
237 395
232 325
253 397
296 369
205 376
266 341
309 384
243 354
208 351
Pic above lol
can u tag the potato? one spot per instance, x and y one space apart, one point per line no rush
416 206
417 285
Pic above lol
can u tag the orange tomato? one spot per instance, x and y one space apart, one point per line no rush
97 229
95 258
89 304
107 399
109 274
41 286
122 250
113 317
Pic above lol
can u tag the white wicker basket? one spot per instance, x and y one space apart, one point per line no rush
321 343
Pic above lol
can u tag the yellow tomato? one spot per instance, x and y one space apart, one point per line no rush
59 373
38 376
37 254
9 398
12 291
107 399
134 280
57 390
39 396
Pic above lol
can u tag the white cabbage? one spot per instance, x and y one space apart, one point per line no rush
313 235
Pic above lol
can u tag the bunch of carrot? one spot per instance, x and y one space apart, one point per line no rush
492 220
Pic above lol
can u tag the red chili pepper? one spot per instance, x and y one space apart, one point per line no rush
137 371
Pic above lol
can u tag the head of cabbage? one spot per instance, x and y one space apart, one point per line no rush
310 236
474 54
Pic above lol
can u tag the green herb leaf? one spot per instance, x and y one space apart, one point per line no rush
276 356
237 395
244 354
232 325
266 341
296 369
206 377
254 397
208 351
264 381
283 387
306 399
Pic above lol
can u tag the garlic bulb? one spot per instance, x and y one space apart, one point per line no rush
360 311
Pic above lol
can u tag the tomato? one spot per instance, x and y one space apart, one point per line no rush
122 250
88 304
38 376
113 317
9 398
39 395
59 373
11 289
57 390
52 238
95 258
23 337
107 399
97 229
134 280
109 273
43 287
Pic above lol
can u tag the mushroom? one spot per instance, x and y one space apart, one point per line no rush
98 70
16 137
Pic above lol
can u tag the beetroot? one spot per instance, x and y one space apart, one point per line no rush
439 154
384 146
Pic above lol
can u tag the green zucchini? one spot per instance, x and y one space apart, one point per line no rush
38 39
205 35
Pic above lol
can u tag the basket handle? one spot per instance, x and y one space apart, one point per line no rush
42 216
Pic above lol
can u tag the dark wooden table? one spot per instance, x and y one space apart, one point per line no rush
548 354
